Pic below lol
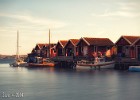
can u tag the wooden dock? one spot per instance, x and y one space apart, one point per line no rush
124 63
67 61
70 62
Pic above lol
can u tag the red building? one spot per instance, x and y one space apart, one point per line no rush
60 50
48 50
42 50
71 48
137 46
128 46
38 49
87 46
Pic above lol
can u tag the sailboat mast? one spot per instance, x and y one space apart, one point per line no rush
49 43
17 54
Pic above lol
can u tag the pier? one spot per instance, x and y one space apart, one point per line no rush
70 62
124 63
125 52
66 61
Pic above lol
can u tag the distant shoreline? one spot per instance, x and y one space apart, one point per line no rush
10 56
6 60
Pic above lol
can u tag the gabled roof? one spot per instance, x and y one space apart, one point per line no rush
62 43
98 41
72 41
51 44
130 39
135 41
40 45
46 45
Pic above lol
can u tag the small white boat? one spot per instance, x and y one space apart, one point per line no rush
18 61
134 68
97 63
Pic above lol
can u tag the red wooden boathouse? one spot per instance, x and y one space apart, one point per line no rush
71 48
60 50
128 46
87 46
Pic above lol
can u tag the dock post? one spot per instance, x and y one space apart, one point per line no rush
99 67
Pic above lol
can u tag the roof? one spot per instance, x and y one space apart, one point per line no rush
130 39
62 43
74 41
135 41
40 45
46 45
98 41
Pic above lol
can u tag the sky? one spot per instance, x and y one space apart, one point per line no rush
66 19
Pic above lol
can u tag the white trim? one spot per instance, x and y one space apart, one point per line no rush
82 38
135 41
38 46
127 40
123 38
79 41
57 44
67 43
60 44
118 40
86 41
72 42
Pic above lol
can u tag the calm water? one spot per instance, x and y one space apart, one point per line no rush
59 84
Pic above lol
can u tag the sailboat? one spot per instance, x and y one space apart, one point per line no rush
42 62
18 61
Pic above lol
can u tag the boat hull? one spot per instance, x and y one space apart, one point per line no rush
134 68
41 65
106 65
23 64
19 64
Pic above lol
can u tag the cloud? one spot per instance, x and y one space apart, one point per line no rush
118 14
129 5
35 20
122 9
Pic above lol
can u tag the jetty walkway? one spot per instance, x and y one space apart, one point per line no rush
70 62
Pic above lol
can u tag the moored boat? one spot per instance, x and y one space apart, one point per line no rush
97 63
41 65
134 68
18 61
41 62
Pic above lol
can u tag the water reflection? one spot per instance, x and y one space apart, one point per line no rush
69 84
44 69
